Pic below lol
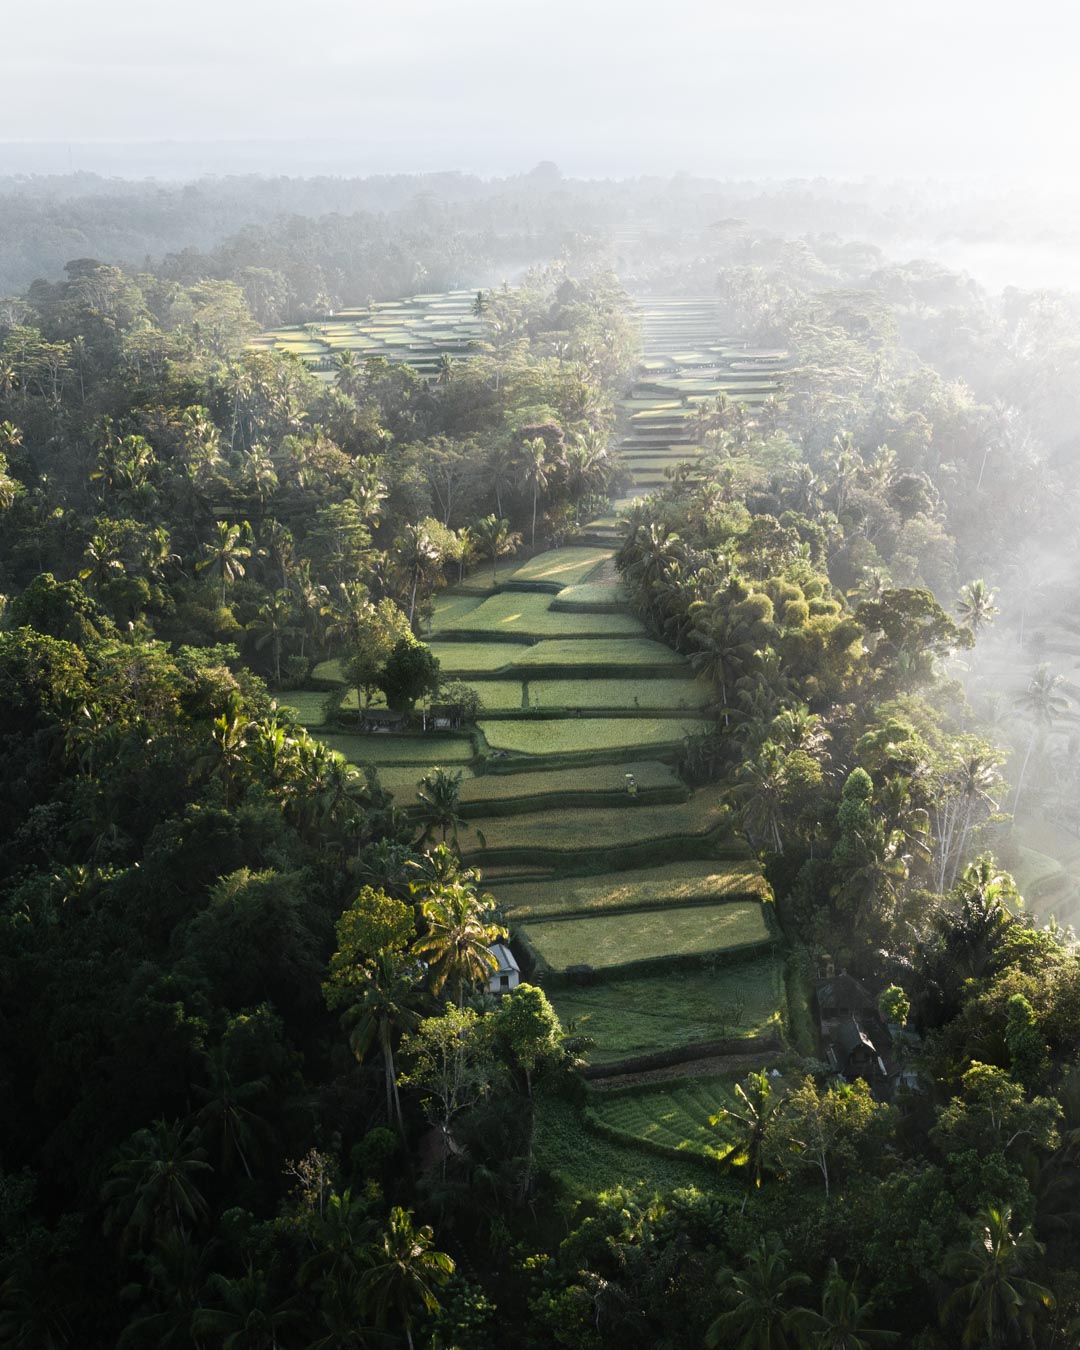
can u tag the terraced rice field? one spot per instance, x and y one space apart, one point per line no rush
408 749
527 614
416 331
561 566
491 793
603 828
522 695
574 697
586 735
671 1116
670 884
640 1015
307 706
607 941
641 653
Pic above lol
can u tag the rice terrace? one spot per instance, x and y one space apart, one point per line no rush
627 894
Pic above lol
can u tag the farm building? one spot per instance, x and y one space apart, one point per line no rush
840 998
852 1053
853 1040
508 974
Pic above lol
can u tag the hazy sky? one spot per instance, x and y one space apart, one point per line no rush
758 86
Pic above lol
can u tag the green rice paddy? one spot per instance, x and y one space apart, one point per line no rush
417 331
551 647
673 1115
581 735
562 566
628 1015
381 749
527 614
606 827
669 884
585 652
603 941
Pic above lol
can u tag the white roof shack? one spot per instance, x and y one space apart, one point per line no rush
508 974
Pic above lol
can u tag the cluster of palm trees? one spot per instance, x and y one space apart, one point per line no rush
382 992
994 1301
360 1276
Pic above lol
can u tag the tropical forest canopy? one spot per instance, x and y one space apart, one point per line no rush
656 582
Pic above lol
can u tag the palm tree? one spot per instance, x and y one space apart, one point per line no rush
153 1188
418 555
761 1316
976 605
380 1010
494 540
438 795
1044 702
405 1272
480 305
446 369
176 1271
226 552
762 790
842 1322
535 458
271 625
995 1298
230 732
241 1132
348 373
247 1316
458 939
721 654
499 472
342 1233
757 1105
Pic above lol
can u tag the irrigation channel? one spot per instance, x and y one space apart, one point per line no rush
628 899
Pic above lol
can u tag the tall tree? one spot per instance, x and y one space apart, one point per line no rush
459 937
405 1272
995 1300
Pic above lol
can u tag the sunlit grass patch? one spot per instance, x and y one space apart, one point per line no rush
673 1115
528 614
670 883
606 827
628 1015
573 735
380 749
565 566
307 706
459 657
587 652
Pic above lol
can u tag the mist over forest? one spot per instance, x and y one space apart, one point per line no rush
539 677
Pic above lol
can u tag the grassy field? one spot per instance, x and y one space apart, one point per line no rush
307 706
450 609
580 735
416 330
562 566
670 883
605 941
629 1016
649 695
556 832
584 1163
457 658
673 1115
528 614
588 778
384 749
591 596
588 652
402 780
